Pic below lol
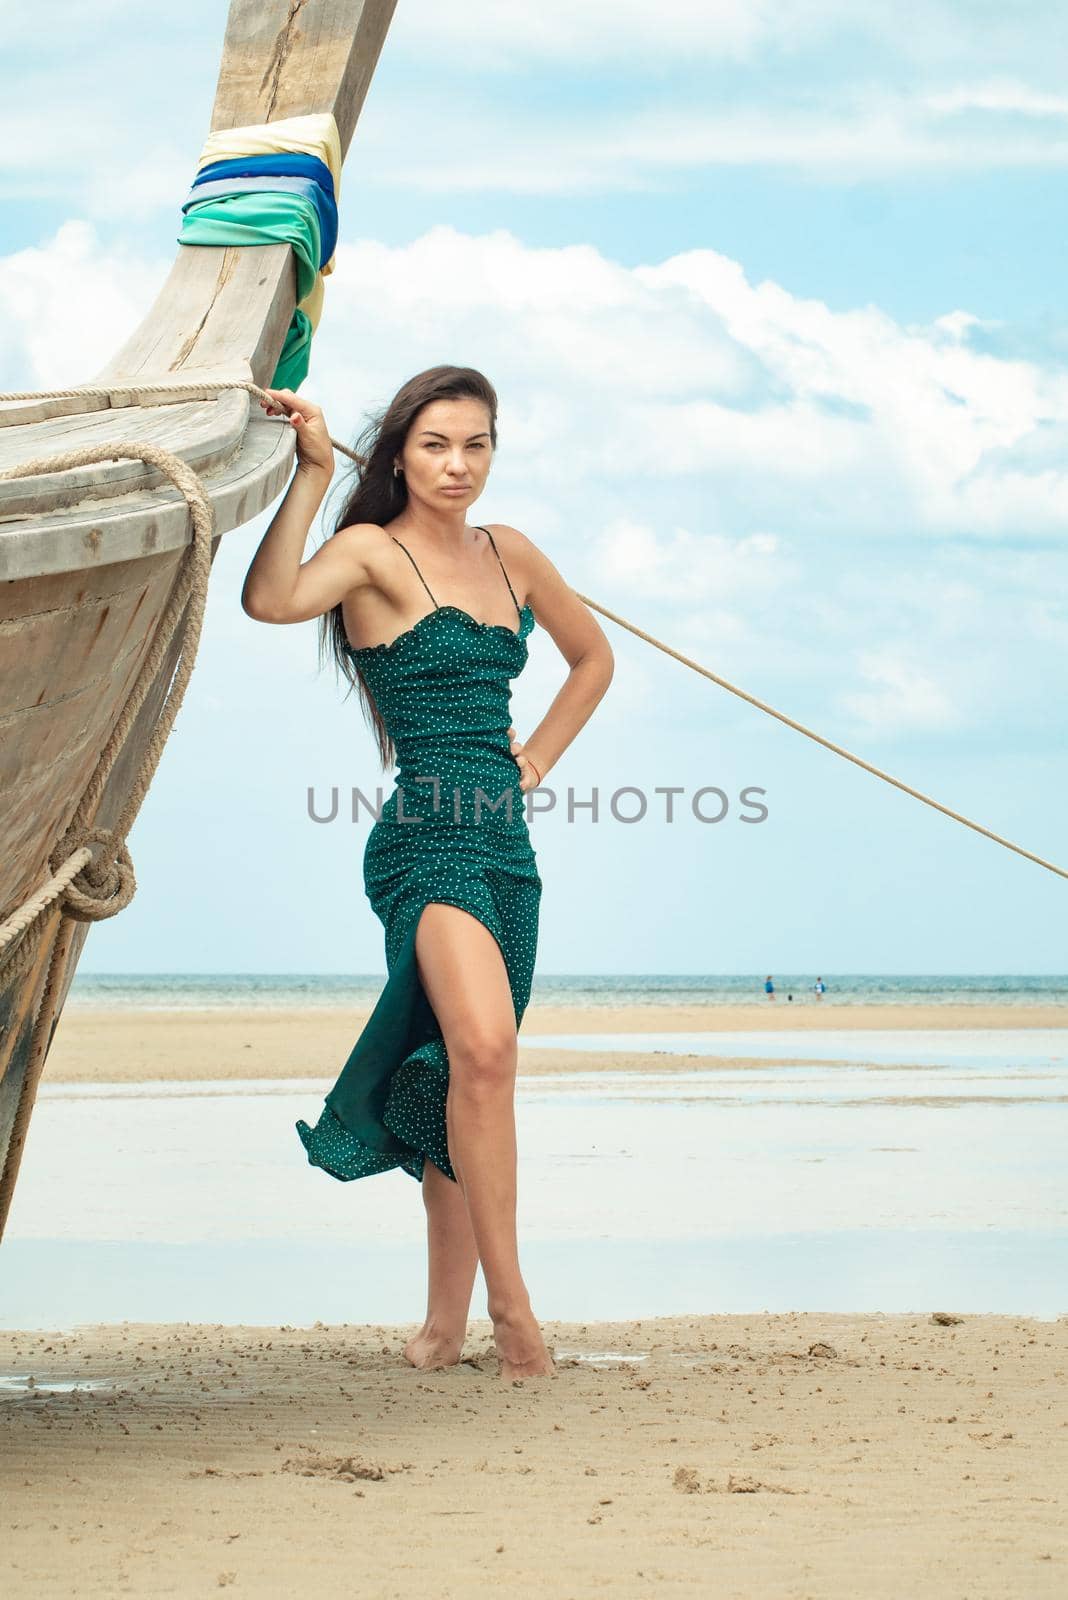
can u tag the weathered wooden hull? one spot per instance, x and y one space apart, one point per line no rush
89 556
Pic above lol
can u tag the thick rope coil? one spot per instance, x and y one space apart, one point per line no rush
101 888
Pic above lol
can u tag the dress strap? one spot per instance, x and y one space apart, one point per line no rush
504 569
411 558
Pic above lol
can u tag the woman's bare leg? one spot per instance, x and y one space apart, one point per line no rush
466 982
452 1261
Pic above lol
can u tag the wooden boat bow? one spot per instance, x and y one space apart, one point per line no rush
90 555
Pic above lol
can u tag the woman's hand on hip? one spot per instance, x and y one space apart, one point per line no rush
529 776
315 453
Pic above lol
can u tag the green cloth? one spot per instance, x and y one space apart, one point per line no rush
267 217
443 689
292 368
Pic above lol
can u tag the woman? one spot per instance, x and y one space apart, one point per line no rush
448 866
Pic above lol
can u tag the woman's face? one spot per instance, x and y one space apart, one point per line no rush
447 454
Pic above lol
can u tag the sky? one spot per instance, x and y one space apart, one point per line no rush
772 296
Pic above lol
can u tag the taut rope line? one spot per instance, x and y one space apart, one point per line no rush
829 743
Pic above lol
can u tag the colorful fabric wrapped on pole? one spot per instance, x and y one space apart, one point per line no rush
324 205
274 182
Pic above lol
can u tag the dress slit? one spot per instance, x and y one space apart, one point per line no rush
387 1107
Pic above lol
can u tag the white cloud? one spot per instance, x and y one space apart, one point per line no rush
516 35
794 416
849 132
687 567
902 696
956 324
67 305
926 425
999 95
769 412
513 34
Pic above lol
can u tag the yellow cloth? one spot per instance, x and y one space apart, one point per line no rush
315 135
312 304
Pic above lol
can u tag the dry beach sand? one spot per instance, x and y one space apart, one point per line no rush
120 1046
797 1456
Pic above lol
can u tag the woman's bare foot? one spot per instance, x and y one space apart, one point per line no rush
431 1349
520 1346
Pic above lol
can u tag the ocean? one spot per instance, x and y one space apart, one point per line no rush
166 991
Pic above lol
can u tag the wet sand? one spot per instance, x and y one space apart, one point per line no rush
135 1046
751 1456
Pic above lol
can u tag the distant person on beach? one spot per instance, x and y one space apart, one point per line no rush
769 987
819 987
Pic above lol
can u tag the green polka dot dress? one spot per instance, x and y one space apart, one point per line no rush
454 830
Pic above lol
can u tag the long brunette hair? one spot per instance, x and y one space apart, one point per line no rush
380 495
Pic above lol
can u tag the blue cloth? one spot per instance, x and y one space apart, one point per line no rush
290 165
305 187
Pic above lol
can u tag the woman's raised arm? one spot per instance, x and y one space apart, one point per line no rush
279 585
